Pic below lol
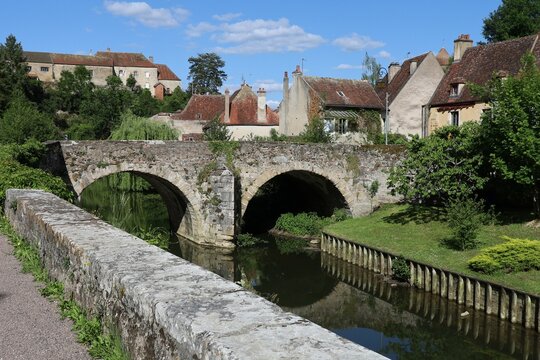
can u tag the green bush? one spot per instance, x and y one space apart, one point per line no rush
248 240
465 217
512 256
400 269
302 224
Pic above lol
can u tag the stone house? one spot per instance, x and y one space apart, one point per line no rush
453 103
339 102
244 112
48 67
167 81
407 88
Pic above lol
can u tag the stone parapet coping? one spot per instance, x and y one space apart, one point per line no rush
508 304
163 307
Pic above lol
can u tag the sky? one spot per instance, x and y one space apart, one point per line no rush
258 40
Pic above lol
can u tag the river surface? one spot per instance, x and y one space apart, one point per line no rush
398 322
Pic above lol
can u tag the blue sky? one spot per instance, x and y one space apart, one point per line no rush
258 40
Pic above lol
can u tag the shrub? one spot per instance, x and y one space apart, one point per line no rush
214 130
465 217
302 224
315 132
400 269
340 215
248 240
512 256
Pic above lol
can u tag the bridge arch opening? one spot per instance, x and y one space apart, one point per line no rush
170 208
292 191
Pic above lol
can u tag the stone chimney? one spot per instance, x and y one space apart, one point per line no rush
261 105
462 43
226 118
443 57
151 58
284 106
413 67
393 69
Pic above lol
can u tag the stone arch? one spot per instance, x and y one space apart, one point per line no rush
333 177
181 201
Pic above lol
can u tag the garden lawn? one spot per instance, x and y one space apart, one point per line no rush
418 233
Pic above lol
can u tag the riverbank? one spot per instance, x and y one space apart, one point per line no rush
418 235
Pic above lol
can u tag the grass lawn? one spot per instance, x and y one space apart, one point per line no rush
417 233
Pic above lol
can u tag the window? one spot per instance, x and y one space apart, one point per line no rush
454 90
454 118
147 74
28 68
121 72
341 126
198 116
340 93
147 85
135 73
44 69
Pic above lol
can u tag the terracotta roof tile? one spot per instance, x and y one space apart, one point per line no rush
399 80
244 108
202 107
39 57
86 60
165 73
127 59
478 65
344 92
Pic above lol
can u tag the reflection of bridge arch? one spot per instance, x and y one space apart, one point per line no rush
269 174
177 195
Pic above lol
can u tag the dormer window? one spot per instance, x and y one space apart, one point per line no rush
454 90
340 93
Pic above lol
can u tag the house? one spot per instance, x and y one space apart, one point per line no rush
407 88
453 102
340 102
48 68
167 81
244 112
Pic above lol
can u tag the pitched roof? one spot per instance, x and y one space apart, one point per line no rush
478 65
244 108
202 107
127 59
399 80
86 60
344 92
165 73
39 57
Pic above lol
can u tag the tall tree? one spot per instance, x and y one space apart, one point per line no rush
206 74
511 130
512 19
12 70
372 69
73 88
176 101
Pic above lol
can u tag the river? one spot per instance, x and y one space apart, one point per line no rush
397 321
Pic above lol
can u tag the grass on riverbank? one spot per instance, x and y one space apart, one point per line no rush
418 234
89 330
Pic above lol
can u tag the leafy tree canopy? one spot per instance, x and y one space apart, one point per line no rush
372 69
176 101
12 70
215 130
144 104
134 127
512 19
72 88
206 74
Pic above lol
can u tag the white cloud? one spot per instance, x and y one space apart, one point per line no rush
200 29
268 85
348 67
227 17
273 104
357 42
146 15
384 54
257 36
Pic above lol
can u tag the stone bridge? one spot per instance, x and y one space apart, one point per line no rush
208 187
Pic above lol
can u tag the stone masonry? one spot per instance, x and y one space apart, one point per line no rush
205 193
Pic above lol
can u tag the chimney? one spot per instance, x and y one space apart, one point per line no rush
393 69
285 88
151 58
413 67
261 105
298 71
108 49
462 43
226 117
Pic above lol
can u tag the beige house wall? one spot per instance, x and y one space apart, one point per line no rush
439 119
293 120
99 77
406 109
249 131
171 85
46 76
140 76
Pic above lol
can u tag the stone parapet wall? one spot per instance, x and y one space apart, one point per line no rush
162 306
493 299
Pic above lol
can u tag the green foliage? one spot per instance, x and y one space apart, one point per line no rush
23 121
314 132
144 104
206 74
176 101
29 153
133 127
514 255
372 69
372 190
215 130
465 217
302 224
512 19
511 130
131 82
72 88
205 172
444 165
154 236
12 70
290 245
393 139
249 240
340 215
400 269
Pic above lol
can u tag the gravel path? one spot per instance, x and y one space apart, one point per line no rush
30 326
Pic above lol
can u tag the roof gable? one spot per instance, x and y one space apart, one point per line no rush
202 107
344 92
165 73
399 80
